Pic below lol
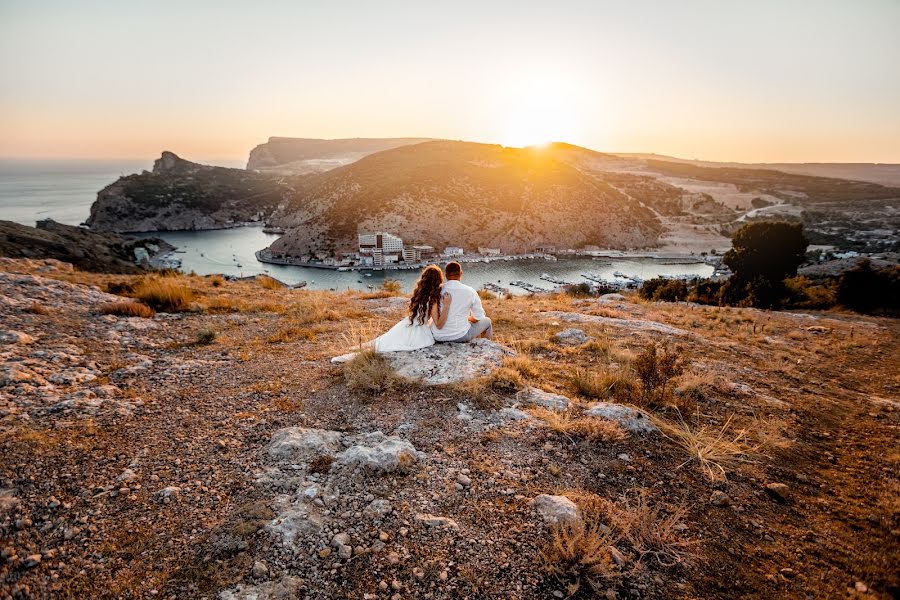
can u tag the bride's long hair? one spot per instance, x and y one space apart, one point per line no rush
426 294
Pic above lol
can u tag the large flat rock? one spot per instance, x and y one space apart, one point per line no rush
450 363
632 324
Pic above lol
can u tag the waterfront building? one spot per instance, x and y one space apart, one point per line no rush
453 251
379 249
489 251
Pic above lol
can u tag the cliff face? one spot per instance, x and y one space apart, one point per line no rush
87 250
463 194
181 195
299 156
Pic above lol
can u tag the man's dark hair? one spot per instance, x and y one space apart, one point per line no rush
453 269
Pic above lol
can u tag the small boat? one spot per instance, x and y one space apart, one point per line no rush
239 265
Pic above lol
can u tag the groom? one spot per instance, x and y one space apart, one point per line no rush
466 319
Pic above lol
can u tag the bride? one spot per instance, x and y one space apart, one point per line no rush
428 307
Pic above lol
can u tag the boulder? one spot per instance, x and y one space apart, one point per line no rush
615 297
571 337
556 509
632 324
450 363
296 444
380 453
8 336
545 399
632 419
296 521
287 588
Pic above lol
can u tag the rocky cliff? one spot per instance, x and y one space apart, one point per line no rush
182 195
298 156
463 194
87 250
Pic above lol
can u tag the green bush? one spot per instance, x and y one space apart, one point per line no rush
666 290
869 290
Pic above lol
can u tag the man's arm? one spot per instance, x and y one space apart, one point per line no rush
477 309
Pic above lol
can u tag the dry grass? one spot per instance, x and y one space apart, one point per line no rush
714 449
292 334
269 283
652 532
165 294
127 308
371 373
505 380
37 308
526 367
570 424
216 281
603 385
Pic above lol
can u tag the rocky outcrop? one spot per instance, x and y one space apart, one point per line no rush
632 419
298 156
179 195
632 324
449 363
87 250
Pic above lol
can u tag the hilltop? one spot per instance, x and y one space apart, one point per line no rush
218 453
462 193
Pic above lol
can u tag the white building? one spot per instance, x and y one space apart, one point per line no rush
489 251
453 251
412 254
379 249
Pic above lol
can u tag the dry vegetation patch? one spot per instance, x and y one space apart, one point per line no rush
127 308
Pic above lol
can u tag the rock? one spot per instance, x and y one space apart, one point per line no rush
377 508
632 419
449 363
617 557
8 504
719 498
623 457
8 336
556 509
340 539
571 337
168 494
259 569
612 298
437 521
861 587
299 444
464 480
545 399
287 588
296 521
379 453
778 491
513 414
127 476
31 561
632 324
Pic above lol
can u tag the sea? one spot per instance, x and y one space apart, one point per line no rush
63 190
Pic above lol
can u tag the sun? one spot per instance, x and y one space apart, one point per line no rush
538 111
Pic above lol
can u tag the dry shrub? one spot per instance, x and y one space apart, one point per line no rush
713 449
165 294
321 463
486 294
371 373
269 283
206 337
291 334
656 368
603 385
570 424
530 345
578 556
524 366
358 335
127 308
652 532
505 380
37 308
223 304
599 348
217 281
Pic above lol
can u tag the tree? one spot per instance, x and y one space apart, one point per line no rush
762 255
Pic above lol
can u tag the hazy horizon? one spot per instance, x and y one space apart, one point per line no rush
798 81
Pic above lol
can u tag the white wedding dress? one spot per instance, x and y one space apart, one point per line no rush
404 337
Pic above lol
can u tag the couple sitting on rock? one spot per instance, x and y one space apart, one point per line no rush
438 312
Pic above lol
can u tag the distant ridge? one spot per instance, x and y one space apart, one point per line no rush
298 156
880 173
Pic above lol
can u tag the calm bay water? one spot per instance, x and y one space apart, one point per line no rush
64 191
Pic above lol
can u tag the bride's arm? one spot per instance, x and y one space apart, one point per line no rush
439 315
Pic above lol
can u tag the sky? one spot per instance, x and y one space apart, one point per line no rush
761 81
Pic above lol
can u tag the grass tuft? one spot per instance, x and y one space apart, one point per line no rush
713 449
165 294
127 308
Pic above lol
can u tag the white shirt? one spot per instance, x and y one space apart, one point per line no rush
464 302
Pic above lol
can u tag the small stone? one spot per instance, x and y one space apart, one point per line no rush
617 556
340 539
396 585
623 457
31 561
789 573
556 509
23 523
259 570
324 552
463 480
443 575
437 521
861 587
778 491
384 536
719 498
418 573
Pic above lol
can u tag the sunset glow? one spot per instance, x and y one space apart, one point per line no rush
218 79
